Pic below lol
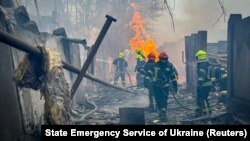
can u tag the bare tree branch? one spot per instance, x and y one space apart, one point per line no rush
167 7
223 13
174 5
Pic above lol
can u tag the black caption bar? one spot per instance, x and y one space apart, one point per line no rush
124 132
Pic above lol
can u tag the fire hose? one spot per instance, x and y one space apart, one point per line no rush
129 77
174 93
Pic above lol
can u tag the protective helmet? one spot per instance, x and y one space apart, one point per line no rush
163 55
139 51
201 55
121 55
139 57
151 56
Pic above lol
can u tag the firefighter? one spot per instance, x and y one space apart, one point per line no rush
176 74
148 71
139 52
120 68
204 83
220 78
164 78
139 76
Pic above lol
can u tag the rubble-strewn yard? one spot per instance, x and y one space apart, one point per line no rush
108 102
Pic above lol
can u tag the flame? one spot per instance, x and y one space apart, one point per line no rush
141 40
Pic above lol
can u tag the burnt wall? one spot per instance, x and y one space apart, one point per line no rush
11 127
71 50
239 62
22 109
192 44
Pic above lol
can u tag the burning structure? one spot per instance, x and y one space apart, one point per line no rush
141 39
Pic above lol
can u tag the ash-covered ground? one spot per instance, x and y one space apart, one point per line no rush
107 102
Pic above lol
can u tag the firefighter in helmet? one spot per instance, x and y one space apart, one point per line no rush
164 78
140 52
148 71
204 83
139 76
120 68
219 77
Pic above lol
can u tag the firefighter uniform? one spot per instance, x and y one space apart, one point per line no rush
148 71
164 76
139 76
220 78
204 83
223 85
120 68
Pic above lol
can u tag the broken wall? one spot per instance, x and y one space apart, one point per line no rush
219 47
239 63
11 126
23 109
70 50
193 43
217 54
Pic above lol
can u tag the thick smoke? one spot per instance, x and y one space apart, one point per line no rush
193 15
84 18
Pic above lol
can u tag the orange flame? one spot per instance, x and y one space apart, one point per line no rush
140 40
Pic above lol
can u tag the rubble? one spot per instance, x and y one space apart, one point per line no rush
109 101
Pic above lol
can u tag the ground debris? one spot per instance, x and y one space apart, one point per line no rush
109 101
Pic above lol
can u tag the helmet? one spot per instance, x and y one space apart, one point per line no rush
139 57
201 55
163 55
139 51
121 55
151 56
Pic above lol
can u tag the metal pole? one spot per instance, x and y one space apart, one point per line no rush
77 41
12 41
92 53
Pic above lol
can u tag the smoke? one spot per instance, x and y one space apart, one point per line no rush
84 19
174 51
193 15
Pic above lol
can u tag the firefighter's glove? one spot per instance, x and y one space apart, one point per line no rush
177 77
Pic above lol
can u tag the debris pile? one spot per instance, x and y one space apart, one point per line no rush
109 101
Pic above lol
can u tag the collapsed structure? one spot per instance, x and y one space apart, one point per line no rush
40 69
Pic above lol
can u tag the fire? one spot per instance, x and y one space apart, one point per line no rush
141 40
